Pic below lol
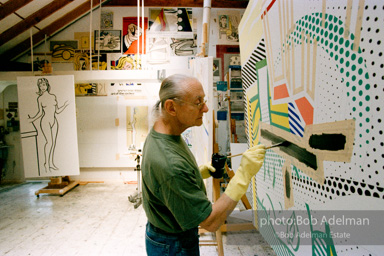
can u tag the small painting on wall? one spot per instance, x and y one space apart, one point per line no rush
63 51
108 40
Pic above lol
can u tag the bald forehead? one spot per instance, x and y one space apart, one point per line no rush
193 88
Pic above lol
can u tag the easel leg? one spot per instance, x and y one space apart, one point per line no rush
219 239
216 195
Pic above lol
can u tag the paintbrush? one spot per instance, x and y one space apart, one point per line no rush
280 144
284 143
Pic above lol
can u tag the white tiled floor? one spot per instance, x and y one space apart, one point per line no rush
92 219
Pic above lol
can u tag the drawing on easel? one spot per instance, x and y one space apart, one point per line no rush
48 109
48 126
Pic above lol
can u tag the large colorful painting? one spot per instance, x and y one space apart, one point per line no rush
313 78
134 33
48 126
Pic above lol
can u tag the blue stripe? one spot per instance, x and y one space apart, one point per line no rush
293 112
297 123
295 131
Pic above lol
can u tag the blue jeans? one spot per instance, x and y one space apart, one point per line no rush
161 243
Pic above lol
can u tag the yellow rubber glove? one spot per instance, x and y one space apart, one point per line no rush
204 170
250 164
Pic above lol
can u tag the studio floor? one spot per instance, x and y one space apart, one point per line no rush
92 219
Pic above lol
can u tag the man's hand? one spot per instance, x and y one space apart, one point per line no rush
204 170
250 164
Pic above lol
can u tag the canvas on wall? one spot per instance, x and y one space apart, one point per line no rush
84 40
170 33
63 51
48 126
170 20
108 40
106 20
132 32
313 80
227 26
217 70
225 52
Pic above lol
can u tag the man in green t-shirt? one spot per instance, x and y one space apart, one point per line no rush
174 195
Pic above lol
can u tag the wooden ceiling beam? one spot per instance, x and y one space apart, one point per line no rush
184 3
32 20
10 7
49 30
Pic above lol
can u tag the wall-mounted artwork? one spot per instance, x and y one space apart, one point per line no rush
82 61
184 17
224 52
217 69
184 46
227 27
99 61
162 19
170 34
90 89
132 32
230 60
312 79
63 51
170 20
108 40
84 39
40 60
126 62
106 20
48 126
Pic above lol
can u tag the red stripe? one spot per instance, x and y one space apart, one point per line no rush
268 8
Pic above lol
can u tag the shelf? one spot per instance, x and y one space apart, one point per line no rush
86 76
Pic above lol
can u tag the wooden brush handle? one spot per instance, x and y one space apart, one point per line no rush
235 155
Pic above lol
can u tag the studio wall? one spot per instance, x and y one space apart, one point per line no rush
312 75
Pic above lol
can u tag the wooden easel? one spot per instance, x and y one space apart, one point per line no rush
58 186
216 194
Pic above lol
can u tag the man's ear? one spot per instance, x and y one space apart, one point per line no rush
170 107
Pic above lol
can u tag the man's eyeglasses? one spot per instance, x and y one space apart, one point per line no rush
199 105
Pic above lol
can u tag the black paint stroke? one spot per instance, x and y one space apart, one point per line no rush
327 141
301 154
287 185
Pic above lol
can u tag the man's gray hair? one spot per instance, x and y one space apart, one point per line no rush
174 86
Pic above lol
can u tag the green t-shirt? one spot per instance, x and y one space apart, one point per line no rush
174 195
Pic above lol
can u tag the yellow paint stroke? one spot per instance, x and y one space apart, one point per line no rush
281 108
359 21
280 120
348 13
268 48
250 27
323 10
311 89
293 65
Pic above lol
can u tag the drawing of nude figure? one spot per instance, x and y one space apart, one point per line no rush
48 108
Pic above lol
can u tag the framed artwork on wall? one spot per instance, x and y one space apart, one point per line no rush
217 69
63 51
222 51
132 32
108 40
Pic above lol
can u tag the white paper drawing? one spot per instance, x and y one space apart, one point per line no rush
48 126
